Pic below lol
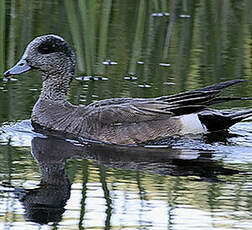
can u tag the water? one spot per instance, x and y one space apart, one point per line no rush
54 182
137 49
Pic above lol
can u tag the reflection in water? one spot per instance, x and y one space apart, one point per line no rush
127 185
46 203
212 45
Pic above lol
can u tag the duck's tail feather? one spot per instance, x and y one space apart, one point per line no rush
204 96
215 120
227 99
222 85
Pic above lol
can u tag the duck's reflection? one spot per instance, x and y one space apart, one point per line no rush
46 203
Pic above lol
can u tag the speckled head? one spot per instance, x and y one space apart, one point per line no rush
49 54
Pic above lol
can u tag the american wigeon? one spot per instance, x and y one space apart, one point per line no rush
117 120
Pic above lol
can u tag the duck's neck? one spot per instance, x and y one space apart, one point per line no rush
55 86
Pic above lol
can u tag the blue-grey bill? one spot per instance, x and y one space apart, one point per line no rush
21 67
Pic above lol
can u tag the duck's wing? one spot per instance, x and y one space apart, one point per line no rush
137 110
132 110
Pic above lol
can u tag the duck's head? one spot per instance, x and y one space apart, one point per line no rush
50 54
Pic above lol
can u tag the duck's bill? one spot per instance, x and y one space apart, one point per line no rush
21 67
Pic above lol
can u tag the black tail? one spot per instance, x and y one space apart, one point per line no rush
222 85
215 120
204 96
196 100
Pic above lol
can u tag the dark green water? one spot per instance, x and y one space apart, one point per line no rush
194 183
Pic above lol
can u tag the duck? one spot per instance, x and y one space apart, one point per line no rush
117 120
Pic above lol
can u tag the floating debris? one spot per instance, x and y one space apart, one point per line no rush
33 89
109 62
130 78
100 78
84 78
165 64
144 86
184 15
140 62
91 78
169 83
5 79
161 14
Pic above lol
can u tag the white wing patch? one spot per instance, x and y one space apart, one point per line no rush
191 124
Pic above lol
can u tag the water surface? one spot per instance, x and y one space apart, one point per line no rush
127 49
